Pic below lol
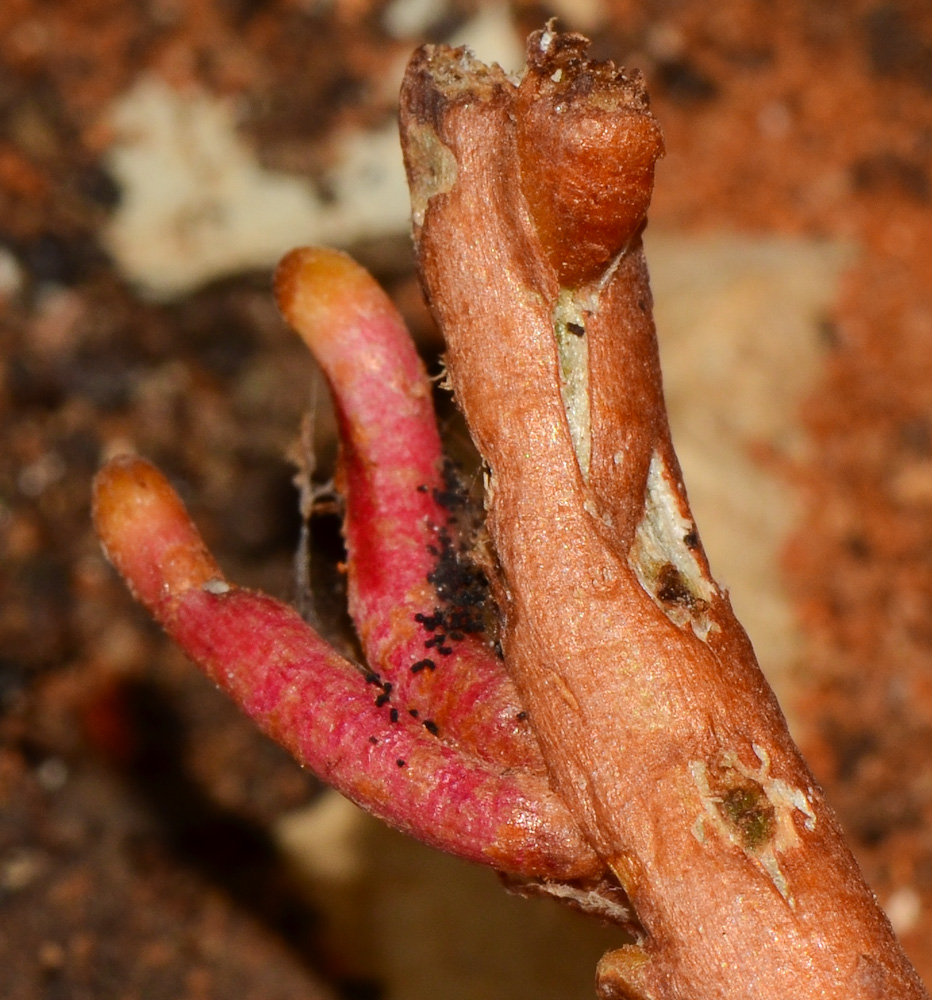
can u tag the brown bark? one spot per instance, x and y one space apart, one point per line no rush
657 727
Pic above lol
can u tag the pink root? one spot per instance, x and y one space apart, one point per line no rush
400 526
349 727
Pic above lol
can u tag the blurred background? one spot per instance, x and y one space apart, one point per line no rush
156 159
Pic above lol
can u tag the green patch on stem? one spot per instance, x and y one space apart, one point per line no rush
749 811
753 810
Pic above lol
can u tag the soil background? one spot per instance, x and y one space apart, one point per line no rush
151 843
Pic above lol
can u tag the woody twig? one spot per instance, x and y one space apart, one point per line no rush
655 722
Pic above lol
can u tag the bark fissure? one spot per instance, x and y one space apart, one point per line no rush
664 558
569 329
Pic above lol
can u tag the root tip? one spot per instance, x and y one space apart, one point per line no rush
146 532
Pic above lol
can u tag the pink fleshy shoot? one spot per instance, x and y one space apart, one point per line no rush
430 734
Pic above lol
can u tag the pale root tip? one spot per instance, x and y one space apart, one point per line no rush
320 291
147 534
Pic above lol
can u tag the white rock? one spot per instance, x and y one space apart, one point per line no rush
198 206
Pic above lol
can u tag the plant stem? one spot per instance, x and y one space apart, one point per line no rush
656 724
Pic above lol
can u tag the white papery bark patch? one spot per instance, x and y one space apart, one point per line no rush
663 557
